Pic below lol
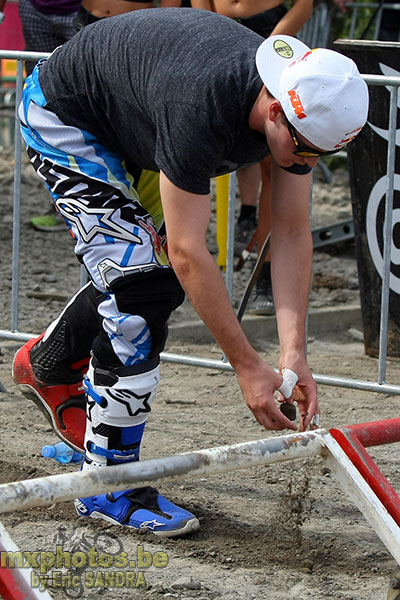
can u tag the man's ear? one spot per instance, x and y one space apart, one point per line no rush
275 111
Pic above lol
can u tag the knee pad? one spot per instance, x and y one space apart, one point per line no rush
117 409
153 296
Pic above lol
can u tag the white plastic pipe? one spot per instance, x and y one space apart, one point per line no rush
57 488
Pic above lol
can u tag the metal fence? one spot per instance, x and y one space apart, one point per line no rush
362 20
315 32
381 385
358 9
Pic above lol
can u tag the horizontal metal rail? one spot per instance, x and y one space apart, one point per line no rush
221 365
18 55
356 384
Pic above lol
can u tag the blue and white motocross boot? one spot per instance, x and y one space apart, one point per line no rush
117 409
143 509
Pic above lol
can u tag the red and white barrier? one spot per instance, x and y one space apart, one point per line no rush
343 448
353 439
15 582
361 478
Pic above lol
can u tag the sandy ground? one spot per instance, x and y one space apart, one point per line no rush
278 532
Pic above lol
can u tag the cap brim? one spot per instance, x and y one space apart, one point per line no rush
274 55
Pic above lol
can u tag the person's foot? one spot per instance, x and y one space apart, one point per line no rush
63 404
143 509
262 299
261 304
244 232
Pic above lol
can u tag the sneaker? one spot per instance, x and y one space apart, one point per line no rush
49 222
261 304
243 234
143 509
262 299
63 405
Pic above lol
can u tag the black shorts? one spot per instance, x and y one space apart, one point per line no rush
264 23
83 18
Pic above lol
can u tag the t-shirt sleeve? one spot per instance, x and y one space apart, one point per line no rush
189 146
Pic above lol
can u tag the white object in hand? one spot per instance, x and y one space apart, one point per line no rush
289 381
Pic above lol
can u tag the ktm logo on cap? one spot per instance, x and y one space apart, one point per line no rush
297 105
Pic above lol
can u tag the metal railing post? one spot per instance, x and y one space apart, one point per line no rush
387 237
17 204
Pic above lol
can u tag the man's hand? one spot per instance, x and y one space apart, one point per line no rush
304 393
258 385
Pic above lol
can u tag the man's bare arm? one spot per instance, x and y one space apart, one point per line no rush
291 260
293 21
187 217
290 24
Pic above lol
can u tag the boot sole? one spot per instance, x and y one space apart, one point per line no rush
31 394
190 526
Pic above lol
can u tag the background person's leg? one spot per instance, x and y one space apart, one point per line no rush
43 32
249 181
262 300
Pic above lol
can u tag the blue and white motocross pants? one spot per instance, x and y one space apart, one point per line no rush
115 220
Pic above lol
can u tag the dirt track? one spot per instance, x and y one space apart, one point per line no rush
278 532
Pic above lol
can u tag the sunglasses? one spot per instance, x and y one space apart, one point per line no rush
306 151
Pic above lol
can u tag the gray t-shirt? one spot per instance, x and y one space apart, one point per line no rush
168 89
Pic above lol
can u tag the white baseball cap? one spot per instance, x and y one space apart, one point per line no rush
321 91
